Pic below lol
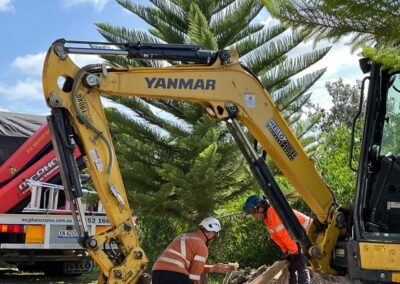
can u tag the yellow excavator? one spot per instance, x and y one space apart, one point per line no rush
362 242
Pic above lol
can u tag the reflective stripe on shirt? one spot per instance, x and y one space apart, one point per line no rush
278 229
170 260
192 238
179 254
183 247
305 225
200 258
194 277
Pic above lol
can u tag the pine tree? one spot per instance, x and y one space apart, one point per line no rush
372 24
188 163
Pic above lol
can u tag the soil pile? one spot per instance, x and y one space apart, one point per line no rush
247 275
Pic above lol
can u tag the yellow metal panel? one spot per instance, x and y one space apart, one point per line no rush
396 277
380 256
100 229
35 234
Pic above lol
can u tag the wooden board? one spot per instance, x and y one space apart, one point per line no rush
268 275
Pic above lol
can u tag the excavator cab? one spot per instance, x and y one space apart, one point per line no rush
376 214
377 208
381 170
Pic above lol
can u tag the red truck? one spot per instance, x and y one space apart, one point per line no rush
36 227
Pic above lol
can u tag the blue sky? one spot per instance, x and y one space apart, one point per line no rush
30 26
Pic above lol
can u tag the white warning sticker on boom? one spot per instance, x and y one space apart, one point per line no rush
97 160
250 100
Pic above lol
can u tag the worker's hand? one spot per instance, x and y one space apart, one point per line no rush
285 255
298 260
224 268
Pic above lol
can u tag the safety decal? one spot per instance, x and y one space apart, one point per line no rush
97 160
250 100
13 170
282 140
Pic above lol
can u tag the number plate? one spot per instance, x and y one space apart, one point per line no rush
78 267
67 234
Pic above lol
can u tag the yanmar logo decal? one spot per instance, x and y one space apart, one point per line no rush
282 140
177 83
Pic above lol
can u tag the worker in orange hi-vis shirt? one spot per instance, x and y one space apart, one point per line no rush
260 209
184 260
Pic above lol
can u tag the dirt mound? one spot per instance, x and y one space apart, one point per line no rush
247 275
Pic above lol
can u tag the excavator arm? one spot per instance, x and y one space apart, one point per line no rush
228 92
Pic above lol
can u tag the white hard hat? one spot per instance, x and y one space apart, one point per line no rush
211 224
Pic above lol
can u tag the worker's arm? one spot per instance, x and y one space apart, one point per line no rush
197 266
220 267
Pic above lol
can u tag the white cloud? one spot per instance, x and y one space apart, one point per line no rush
7 6
31 64
270 22
98 5
340 63
29 89
337 59
83 60
3 109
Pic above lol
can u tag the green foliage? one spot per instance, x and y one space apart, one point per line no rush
370 24
333 152
333 158
199 32
367 21
388 57
345 99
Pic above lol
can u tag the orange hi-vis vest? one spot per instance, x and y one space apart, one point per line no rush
278 232
186 254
